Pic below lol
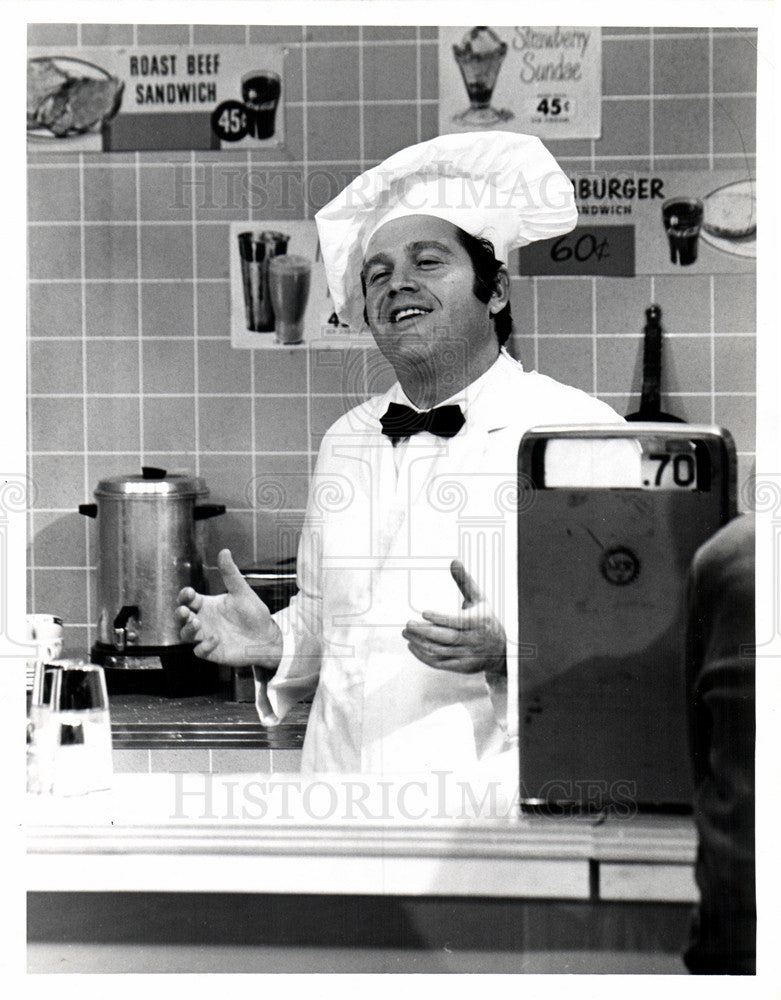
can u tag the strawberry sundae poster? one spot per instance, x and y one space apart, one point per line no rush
155 97
539 81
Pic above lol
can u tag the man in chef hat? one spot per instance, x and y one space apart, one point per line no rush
405 626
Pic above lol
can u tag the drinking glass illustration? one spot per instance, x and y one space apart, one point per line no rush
260 90
479 57
255 251
682 220
288 279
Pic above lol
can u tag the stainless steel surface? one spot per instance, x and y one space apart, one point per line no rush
268 576
146 662
203 721
149 547
171 485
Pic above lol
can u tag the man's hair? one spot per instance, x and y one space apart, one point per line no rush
486 267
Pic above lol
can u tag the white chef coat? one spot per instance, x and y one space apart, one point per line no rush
375 552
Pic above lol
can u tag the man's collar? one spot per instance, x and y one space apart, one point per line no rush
467 396
487 403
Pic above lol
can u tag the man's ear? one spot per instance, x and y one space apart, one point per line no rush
500 295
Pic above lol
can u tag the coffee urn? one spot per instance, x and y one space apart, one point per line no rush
150 545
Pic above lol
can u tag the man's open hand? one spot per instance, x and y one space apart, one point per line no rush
465 643
236 627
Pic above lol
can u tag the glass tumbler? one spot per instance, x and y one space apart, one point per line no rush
81 726
40 732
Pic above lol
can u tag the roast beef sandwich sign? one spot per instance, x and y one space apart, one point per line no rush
105 99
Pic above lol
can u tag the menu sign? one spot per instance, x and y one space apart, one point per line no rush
692 222
588 250
279 293
538 81
154 97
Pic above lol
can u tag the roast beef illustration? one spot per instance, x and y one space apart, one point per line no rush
43 80
67 104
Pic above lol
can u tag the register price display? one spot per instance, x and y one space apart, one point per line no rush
678 468
588 250
655 464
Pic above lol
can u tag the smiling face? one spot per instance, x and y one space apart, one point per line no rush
422 309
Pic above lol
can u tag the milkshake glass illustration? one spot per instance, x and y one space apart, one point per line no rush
288 281
479 57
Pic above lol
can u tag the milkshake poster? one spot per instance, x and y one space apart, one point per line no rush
155 97
538 81
279 294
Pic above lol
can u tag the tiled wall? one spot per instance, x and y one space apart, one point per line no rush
130 356
196 760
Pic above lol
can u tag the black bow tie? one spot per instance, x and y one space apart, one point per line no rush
401 421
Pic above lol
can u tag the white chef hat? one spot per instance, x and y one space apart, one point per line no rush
502 186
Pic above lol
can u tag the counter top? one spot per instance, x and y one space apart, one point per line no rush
207 721
233 833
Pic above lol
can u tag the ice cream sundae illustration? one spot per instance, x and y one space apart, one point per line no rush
479 57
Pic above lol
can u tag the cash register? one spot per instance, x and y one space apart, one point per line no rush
602 608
